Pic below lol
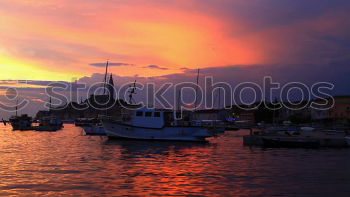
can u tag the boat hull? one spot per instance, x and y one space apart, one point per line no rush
290 143
21 125
47 128
94 130
21 128
120 130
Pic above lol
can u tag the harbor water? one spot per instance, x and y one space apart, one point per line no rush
67 163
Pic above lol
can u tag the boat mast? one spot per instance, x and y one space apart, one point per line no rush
105 81
219 102
195 104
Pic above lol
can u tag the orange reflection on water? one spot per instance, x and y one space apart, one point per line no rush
69 163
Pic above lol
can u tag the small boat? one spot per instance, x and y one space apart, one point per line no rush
23 122
152 124
95 129
290 142
49 123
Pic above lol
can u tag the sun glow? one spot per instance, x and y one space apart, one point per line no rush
13 68
53 46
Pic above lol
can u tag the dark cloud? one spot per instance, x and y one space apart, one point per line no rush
153 66
110 64
265 14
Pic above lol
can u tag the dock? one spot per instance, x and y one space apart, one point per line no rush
321 139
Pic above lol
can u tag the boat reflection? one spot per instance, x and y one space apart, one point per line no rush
172 165
152 147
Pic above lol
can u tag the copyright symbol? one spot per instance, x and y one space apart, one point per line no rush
11 93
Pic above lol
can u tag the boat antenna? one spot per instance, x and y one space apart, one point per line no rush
16 107
105 81
132 92
195 103
219 102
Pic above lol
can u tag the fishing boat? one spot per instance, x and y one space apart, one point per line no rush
152 124
49 123
23 122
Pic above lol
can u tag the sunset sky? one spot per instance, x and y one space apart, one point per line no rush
65 40
166 41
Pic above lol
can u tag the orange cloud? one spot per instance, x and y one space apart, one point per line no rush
60 39
135 34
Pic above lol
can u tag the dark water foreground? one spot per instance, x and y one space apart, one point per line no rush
64 163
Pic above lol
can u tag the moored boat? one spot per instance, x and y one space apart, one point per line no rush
49 123
23 122
151 124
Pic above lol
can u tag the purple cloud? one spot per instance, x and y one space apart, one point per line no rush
153 66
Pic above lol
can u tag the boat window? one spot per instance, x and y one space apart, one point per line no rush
139 113
148 114
157 114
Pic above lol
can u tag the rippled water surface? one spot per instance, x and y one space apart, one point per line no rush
68 163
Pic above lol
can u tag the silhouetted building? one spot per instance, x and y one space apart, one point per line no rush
333 113
92 107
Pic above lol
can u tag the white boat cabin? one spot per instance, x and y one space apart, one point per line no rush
146 117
